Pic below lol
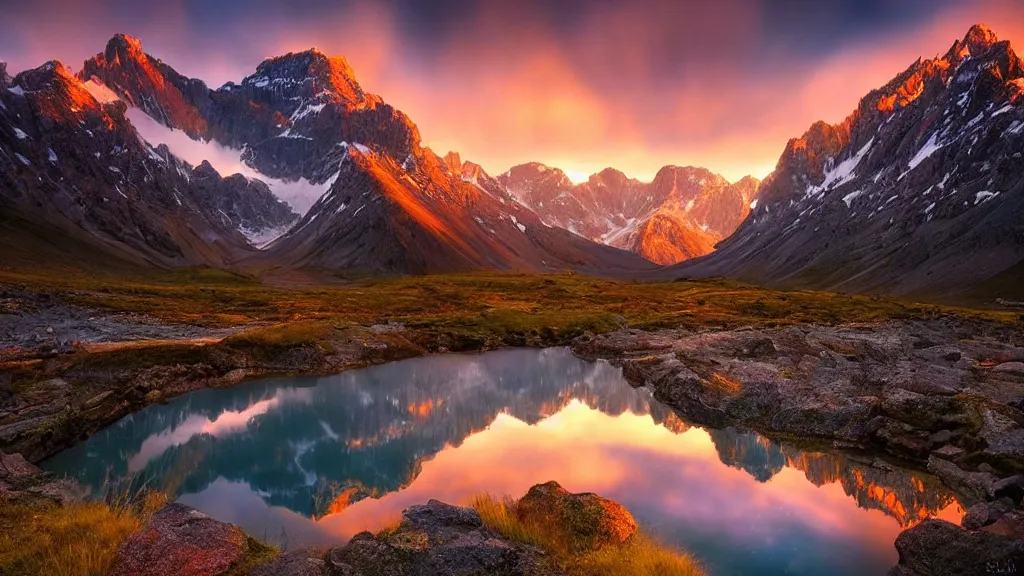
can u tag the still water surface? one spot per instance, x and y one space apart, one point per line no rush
305 461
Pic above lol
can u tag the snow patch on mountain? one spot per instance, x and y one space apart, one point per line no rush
299 194
929 148
100 91
836 176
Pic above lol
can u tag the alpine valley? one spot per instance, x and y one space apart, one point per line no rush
270 308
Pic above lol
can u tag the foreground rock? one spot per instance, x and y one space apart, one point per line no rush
438 539
946 394
179 540
936 547
583 521
433 539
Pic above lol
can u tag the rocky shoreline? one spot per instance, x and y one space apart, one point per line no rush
945 395
432 539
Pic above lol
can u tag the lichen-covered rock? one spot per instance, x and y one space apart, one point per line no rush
438 539
180 541
939 548
583 521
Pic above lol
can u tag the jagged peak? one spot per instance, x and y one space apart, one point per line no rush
748 181
205 169
536 167
124 42
609 174
331 73
5 79
979 39
673 170
454 161
42 76
121 47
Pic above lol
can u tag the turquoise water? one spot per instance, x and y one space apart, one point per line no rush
304 461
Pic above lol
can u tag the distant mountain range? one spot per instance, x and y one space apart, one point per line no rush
682 214
918 191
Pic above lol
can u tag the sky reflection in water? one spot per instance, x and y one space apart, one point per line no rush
315 460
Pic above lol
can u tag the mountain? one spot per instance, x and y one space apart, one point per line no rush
918 192
78 183
387 203
680 215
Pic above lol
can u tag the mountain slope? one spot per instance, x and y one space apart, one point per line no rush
388 205
680 215
919 191
75 166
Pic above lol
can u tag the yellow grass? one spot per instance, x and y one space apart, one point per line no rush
641 556
73 540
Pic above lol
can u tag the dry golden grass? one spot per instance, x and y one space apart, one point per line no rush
641 556
73 540
498 514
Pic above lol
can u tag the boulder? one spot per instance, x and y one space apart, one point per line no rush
583 521
976 516
438 539
939 548
180 541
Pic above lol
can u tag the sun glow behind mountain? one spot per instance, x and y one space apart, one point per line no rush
576 176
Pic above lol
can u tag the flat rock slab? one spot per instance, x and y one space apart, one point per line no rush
180 541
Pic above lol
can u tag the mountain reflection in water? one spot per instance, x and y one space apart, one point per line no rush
314 460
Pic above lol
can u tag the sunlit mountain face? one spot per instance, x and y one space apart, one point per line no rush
608 138
315 460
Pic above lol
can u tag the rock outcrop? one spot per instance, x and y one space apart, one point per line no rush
937 547
442 540
181 541
583 521
894 388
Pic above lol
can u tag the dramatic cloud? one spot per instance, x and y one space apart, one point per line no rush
581 85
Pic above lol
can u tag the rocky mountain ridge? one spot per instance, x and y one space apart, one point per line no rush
917 192
388 204
76 168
